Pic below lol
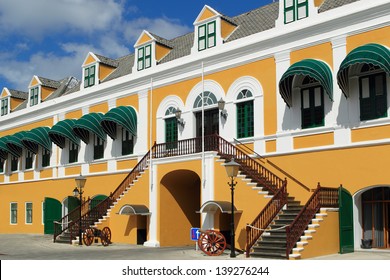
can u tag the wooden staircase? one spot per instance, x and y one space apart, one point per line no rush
272 243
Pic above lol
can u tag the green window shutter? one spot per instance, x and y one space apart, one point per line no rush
1 166
14 163
148 56
98 151
29 160
302 9
289 11
14 213
45 157
211 35
86 77
29 212
141 58
373 96
127 142
171 136
312 107
202 37
245 119
6 106
73 152
92 75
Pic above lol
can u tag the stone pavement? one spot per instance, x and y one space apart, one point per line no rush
41 247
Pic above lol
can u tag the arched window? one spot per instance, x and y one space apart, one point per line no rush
245 114
171 136
208 99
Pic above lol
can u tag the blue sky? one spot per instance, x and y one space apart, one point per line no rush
51 38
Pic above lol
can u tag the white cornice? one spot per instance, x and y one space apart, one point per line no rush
344 21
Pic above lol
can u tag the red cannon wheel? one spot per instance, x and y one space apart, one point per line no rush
88 236
105 236
212 242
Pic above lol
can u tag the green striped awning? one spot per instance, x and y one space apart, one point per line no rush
63 130
14 143
125 116
375 54
4 151
37 137
89 123
313 68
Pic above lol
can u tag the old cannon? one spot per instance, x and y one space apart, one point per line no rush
91 234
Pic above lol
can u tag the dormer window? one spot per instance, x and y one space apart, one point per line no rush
34 96
144 57
295 10
206 36
4 106
89 76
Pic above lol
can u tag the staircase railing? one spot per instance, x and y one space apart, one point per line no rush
90 216
322 197
266 216
63 224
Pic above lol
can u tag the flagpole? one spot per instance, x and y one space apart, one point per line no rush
203 157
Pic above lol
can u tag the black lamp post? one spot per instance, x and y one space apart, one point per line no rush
232 168
78 192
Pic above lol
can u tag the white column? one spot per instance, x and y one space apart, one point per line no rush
340 116
153 208
141 145
284 142
207 191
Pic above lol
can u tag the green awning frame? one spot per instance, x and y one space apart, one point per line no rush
315 69
14 143
125 116
89 123
375 54
37 137
4 151
63 130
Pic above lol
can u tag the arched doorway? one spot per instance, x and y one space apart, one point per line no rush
375 204
179 203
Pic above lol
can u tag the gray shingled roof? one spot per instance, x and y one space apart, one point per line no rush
331 4
49 83
125 66
249 23
107 61
18 94
66 85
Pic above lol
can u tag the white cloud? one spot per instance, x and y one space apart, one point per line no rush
37 17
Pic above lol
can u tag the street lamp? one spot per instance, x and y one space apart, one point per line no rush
232 168
78 192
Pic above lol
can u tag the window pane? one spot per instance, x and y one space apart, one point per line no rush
289 16
302 12
365 88
140 65
379 85
288 3
211 41
317 97
14 213
29 212
211 28
202 44
140 53
306 99
202 31
147 62
147 50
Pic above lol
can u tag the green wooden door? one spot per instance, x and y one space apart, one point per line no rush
345 221
96 200
73 203
51 213
171 133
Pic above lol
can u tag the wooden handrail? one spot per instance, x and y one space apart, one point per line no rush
266 216
322 197
92 215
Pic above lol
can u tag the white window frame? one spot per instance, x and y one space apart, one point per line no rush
7 101
34 95
10 213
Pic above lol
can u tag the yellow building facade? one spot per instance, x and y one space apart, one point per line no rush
296 92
